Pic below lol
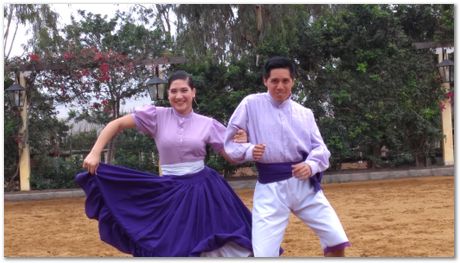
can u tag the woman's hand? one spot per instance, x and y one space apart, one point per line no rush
258 151
91 162
240 136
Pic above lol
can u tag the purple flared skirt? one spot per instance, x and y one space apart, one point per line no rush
169 216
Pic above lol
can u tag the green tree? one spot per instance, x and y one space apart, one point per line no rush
100 56
427 23
204 29
370 86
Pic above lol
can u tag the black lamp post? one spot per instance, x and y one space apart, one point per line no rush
15 94
446 70
156 88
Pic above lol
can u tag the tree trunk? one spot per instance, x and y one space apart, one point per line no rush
259 24
420 160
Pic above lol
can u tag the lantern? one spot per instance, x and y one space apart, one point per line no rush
15 95
156 88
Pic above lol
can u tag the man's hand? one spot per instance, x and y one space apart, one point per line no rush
301 171
258 151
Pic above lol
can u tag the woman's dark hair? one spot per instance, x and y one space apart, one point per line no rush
183 75
279 62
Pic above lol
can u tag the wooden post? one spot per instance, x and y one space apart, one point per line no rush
446 116
447 141
24 150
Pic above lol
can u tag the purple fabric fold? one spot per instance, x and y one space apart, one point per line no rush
336 247
169 216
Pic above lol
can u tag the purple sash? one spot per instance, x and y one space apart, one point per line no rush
275 172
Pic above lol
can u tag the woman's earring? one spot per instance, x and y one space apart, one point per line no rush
194 100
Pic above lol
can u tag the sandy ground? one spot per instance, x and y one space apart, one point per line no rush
388 218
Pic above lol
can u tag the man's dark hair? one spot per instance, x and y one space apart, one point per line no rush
279 62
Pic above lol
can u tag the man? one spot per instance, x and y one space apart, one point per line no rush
290 156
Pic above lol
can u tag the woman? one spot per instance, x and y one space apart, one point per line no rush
190 210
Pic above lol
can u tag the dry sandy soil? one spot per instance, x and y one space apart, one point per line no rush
388 218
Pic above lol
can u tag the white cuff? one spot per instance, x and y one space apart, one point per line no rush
248 154
314 167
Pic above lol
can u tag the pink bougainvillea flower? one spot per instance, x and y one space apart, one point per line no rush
68 56
442 106
34 57
98 56
104 67
449 95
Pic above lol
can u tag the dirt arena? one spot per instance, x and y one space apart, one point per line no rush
387 218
